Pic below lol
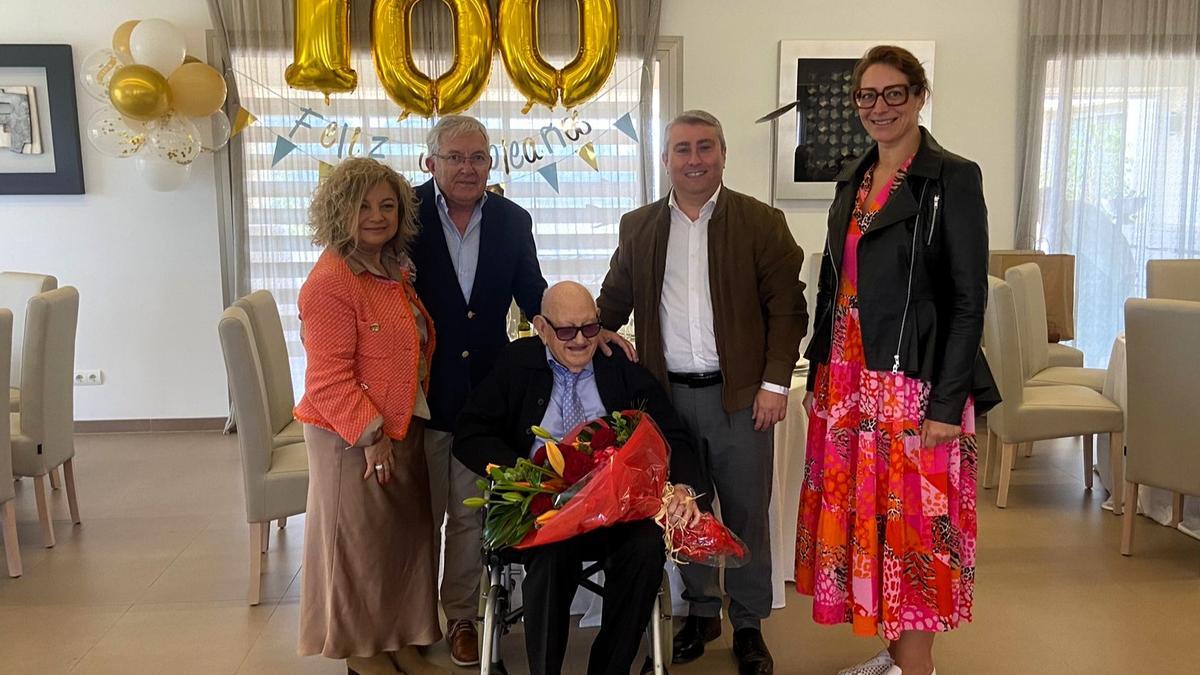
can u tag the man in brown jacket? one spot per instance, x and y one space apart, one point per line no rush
713 280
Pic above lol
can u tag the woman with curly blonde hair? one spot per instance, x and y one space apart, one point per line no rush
369 580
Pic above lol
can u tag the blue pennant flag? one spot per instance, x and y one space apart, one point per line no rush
625 124
283 148
550 173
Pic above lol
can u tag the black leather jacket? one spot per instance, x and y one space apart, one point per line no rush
922 279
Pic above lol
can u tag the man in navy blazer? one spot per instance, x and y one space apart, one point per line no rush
474 255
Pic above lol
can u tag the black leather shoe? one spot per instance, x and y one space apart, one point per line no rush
751 652
689 642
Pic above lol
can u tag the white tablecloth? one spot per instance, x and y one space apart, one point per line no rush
1155 503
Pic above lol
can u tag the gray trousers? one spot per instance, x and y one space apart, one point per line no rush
449 484
740 463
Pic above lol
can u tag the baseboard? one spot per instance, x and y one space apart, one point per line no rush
150 425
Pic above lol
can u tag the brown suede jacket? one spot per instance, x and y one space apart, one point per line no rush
754 277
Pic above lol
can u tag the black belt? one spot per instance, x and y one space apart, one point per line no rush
695 380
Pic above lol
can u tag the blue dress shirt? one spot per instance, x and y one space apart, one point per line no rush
464 248
589 396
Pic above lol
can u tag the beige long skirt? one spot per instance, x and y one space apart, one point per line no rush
369 573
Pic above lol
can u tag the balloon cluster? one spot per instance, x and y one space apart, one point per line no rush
164 107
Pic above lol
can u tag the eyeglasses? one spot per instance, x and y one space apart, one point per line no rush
567 333
895 95
455 160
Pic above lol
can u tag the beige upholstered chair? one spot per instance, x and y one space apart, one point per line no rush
1030 299
1164 398
267 330
12 549
1029 413
1173 279
43 433
16 288
275 477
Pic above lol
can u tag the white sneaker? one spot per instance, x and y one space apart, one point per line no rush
880 664
895 670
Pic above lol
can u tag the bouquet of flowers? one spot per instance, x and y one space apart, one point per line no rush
606 471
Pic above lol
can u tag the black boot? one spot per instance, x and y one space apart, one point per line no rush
689 642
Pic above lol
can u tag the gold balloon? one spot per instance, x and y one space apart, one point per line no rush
540 82
140 93
197 90
529 72
322 55
584 76
120 41
455 90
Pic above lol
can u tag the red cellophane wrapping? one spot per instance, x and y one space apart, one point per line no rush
629 486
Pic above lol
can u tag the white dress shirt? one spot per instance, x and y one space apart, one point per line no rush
685 310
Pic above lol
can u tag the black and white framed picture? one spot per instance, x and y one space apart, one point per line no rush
822 132
39 123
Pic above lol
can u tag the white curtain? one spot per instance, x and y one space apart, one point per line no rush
1111 170
575 226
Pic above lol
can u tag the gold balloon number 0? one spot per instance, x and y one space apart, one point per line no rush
322 53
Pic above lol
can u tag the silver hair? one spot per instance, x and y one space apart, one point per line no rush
696 117
452 126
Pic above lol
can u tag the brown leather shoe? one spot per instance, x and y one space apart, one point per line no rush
464 642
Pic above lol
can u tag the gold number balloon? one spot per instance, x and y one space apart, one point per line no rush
529 72
322 55
139 92
455 90
540 82
583 77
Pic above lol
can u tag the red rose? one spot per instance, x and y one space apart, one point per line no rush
576 464
604 437
540 504
539 455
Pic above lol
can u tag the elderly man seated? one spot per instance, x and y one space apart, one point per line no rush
557 383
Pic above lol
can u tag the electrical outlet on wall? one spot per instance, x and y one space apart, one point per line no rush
89 378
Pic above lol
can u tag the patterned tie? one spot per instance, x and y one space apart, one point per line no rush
570 406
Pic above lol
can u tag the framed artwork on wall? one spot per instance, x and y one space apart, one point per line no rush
821 131
39 122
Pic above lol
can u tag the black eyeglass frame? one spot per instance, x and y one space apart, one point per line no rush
908 90
572 331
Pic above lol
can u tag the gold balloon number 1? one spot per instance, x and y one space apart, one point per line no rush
322 53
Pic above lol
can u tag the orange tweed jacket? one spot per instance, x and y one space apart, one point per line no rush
363 350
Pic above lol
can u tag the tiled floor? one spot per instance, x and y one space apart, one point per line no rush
154 579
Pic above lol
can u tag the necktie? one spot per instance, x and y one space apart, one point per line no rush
570 406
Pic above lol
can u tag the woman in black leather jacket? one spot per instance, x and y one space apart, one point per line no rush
887 519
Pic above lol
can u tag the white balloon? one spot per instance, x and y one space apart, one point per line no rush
114 135
158 44
214 131
174 137
96 71
162 175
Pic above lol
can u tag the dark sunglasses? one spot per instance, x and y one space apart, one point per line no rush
895 95
567 333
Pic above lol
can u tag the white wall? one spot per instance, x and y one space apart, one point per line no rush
147 264
731 69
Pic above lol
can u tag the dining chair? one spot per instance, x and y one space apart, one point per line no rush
1163 398
274 477
1035 413
8 511
43 432
1173 279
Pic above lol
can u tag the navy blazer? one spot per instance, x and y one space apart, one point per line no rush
471 331
494 427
